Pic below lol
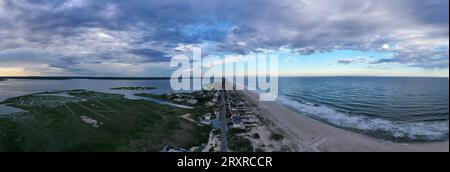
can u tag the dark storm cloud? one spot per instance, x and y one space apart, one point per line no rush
152 55
79 34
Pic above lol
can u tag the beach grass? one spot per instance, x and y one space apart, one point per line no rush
124 125
276 136
238 143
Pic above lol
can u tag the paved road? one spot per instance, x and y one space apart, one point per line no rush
223 127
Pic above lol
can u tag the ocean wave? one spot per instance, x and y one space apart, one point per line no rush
380 127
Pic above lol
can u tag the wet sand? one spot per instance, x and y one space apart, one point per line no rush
311 135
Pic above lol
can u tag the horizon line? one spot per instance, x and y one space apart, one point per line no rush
168 77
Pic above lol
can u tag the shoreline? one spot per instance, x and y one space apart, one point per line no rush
310 135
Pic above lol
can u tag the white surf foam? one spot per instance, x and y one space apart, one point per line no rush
427 130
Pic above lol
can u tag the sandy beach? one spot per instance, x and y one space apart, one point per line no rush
310 135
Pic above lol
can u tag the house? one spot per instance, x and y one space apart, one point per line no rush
234 113
192 101
178 100
206 119
168 148
208 116
209 104
94 123
237 122
248 113
170 96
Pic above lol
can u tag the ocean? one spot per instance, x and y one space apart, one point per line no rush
401 109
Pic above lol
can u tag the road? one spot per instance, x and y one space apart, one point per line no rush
223 127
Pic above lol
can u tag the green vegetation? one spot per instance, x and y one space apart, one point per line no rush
181 98
239 143
276 136
234 131
256 136
155 96
54 123
199 108
134 88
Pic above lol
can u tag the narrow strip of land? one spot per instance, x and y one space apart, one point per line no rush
223 127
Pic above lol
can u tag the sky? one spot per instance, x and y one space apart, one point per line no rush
139 37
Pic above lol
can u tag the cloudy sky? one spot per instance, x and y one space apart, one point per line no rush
139 37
